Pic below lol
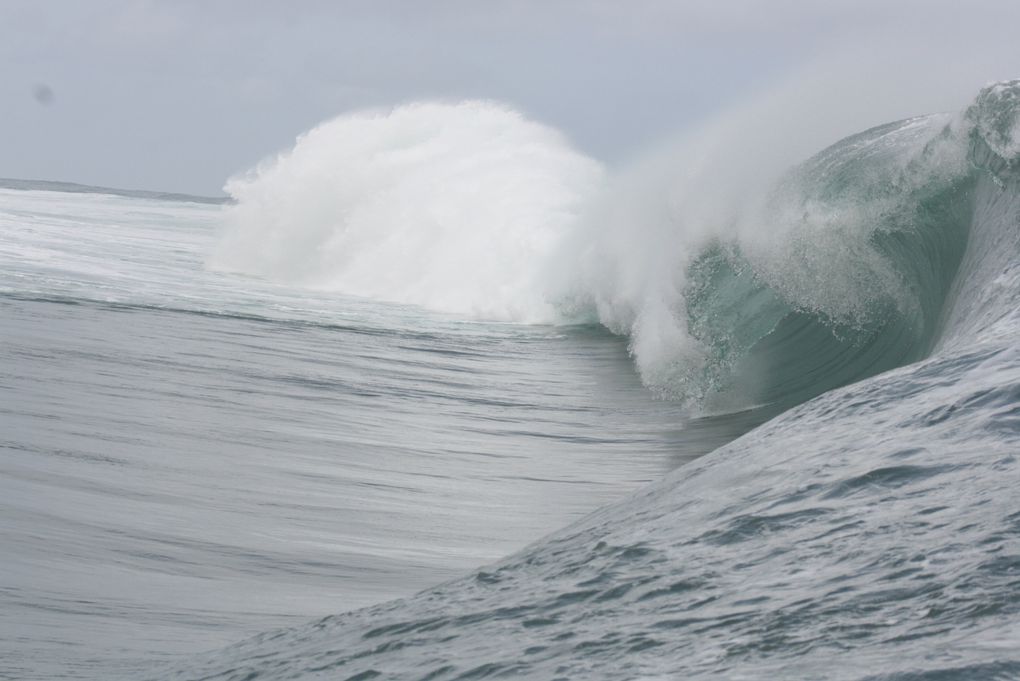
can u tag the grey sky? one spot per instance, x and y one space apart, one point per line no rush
179 95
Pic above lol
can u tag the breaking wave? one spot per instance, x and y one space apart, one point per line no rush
768 290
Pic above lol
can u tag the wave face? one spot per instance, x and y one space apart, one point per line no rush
869 533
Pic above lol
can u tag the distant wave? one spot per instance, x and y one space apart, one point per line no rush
74 188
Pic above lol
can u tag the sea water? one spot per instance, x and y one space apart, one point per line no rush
223 419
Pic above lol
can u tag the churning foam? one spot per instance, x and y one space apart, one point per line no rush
470 208
453 207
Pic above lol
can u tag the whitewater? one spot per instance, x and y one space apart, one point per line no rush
435 396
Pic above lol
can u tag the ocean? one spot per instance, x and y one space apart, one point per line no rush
434 396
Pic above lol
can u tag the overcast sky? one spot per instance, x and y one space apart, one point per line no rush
178 95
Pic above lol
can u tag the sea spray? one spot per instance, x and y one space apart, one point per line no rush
453 207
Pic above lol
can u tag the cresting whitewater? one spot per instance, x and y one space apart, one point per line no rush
853 326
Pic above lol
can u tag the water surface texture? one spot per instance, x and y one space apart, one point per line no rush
783 445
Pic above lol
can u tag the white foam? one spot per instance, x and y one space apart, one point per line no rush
453 207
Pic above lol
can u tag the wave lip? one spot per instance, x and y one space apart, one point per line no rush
995 116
